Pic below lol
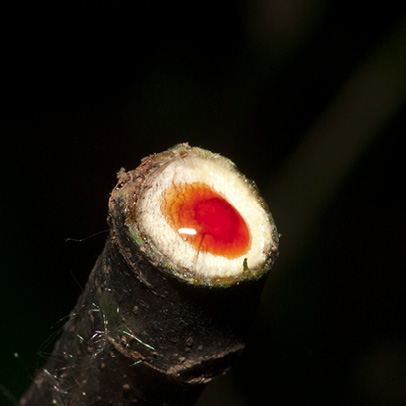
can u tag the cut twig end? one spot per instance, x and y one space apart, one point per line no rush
195 215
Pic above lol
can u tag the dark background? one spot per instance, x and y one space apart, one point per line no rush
307 97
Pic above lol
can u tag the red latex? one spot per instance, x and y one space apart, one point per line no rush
206 220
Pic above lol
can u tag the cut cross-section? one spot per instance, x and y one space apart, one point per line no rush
201 218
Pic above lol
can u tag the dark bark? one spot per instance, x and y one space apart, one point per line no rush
139 334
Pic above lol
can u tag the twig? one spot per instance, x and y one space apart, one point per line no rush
147 329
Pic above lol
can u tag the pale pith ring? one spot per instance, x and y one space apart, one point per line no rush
195 165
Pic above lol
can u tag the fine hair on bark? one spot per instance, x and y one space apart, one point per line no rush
170 300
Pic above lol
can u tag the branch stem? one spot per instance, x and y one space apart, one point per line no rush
139 333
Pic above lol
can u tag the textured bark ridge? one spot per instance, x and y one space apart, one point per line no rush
145 332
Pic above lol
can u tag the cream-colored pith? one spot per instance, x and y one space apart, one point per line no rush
221 176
